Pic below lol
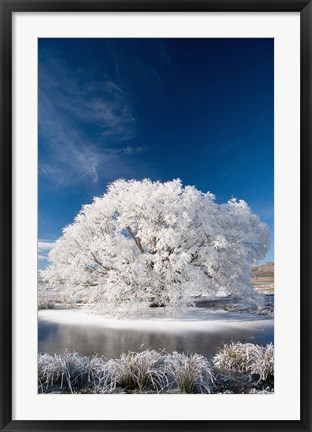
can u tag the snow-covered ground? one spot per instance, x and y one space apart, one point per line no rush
199 319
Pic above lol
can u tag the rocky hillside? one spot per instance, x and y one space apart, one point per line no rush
263 279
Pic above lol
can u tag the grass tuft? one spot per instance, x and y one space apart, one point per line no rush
142 371
70 371
151 371
247 358
192 372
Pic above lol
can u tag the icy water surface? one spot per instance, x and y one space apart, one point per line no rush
203 331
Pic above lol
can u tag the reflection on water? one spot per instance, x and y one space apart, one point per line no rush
112 342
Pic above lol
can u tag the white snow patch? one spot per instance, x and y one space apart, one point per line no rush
198 320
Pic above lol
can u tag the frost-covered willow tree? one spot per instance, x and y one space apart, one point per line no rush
151 243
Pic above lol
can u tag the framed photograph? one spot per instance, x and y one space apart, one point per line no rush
155 215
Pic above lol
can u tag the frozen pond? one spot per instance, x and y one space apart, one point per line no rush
203 331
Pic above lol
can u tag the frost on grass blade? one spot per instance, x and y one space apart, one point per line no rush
192 372
148 371
151 371
247 358
143 371
70 371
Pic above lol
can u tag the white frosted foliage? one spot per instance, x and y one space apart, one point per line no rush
150 243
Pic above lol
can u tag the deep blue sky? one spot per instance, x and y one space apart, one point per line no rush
197 109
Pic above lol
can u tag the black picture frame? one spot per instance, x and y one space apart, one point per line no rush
8 7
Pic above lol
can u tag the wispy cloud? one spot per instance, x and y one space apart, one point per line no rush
44 245
83 126
102 105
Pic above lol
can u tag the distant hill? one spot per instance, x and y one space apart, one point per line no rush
263 279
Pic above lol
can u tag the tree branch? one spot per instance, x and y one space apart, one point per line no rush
136 240
100 264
